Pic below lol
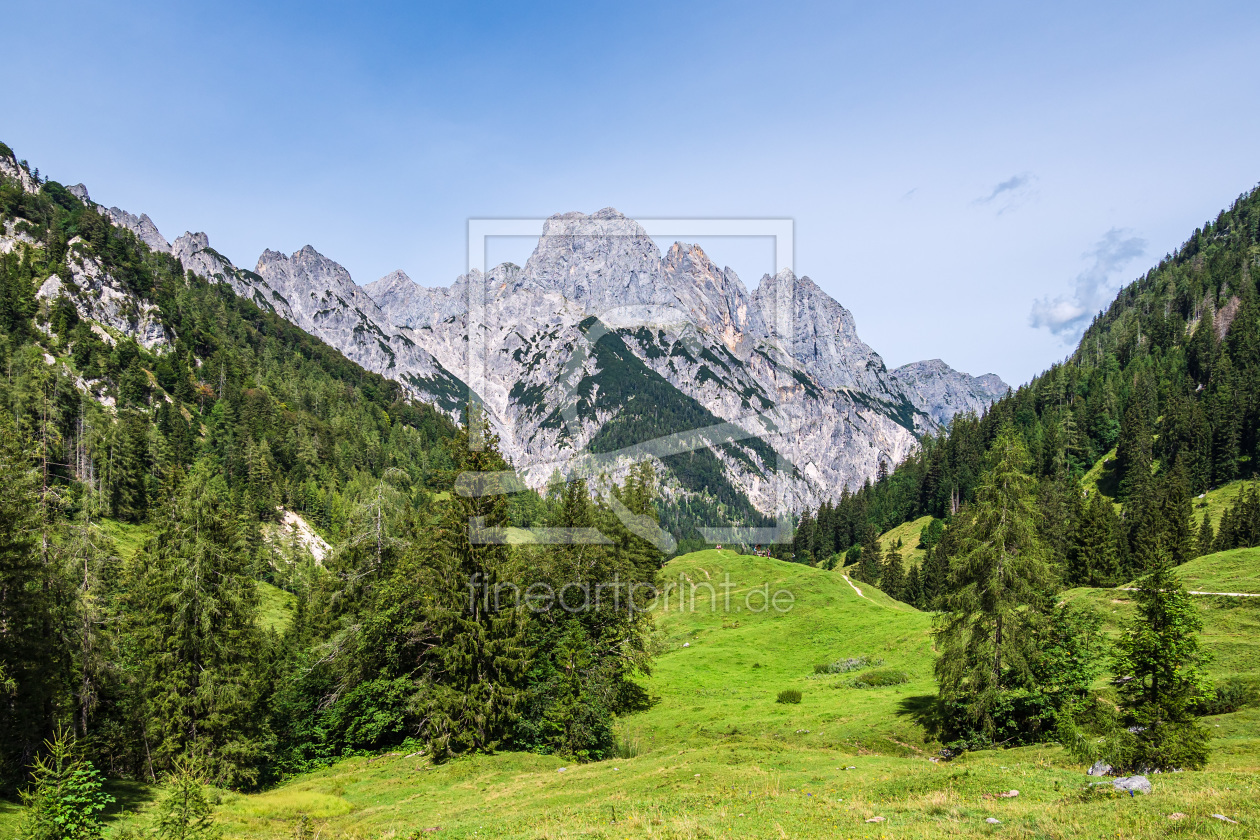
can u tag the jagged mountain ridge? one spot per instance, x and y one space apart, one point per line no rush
836 407
823 400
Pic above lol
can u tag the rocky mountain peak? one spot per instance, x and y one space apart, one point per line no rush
190 242
601 261
823 335
142 226
941 392
308 272
712 298
396 282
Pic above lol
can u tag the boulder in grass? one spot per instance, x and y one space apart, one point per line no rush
1100 768
1133 784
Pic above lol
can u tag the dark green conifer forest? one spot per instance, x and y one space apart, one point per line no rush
140 494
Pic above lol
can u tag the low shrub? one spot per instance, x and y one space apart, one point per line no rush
844 666
790 695
880 679
1230 696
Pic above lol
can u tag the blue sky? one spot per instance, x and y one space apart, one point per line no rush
972 183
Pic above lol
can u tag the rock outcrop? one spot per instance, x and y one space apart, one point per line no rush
142 226
100 297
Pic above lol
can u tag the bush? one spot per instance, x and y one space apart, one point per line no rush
844 666
880 679
790 695
67 799
1230 696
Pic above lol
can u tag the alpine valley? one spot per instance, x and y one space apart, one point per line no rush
598 353
245 591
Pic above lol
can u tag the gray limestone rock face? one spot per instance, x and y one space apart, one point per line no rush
939 391
11 168
823 336
142 226
14 237
98 296
321 298
600 262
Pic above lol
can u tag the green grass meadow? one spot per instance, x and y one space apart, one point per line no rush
717 757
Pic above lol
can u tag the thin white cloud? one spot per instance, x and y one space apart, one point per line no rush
1067 315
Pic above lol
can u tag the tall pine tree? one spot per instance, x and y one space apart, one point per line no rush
998 589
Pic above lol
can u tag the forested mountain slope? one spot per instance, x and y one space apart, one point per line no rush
138 391
1159 403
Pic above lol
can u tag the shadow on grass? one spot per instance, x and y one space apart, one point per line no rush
923 710
128 796
1109 479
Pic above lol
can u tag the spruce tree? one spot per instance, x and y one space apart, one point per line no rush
1224 416
193 611
1093 560
66 799
1206 537
803 539
183 813
1178 525
935 572
30 656
998 590
893 578
868 566
914 587
476 666
1158 656
1133 454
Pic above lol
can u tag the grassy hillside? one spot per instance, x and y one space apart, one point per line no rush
1101 476
275 607
1226 571
908 533
1214 502
716 756
736 662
